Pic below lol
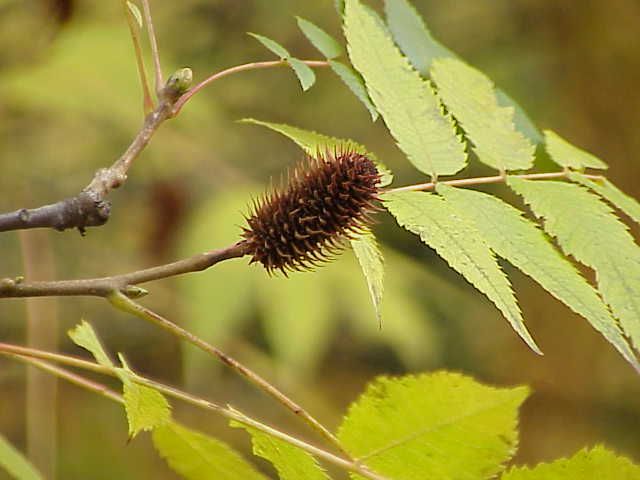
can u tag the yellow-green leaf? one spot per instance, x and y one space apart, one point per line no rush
146 408
587 229
370 259
521 242
416 41
611 193
595 464
85 336
458 242
292 463
439 425
471 97
406 101
15 463
196 456
567 155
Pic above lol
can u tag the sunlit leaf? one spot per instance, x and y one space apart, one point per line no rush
406 101
587 229
458 242
15 463
521 242
440 425
370 259
595 464
567 155
470 96
418 44
292 463
196 456
85 336
611 193
325 43
146 408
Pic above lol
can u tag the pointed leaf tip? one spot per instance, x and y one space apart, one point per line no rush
460 244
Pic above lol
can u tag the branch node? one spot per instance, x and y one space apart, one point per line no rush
133 291
177 84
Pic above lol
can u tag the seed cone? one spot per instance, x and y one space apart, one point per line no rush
326 201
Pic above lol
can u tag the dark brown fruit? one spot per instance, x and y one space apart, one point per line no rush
326 201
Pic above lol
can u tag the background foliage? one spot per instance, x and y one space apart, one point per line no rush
69 103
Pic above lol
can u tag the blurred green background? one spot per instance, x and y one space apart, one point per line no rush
70 103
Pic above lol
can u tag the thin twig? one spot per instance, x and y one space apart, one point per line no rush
465 182
105 286
124 303
89 208
70 377
27 356
238 68
153 42
68 360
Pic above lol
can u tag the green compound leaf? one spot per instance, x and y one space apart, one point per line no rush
587 229
522 243
470 96
406 101
370 259
595 464
611 193
85 336
292 463
325 43
196 456
416 42
440 425
15 463
305 75
354 81
146 408
313 142
567 155
271 45
458 241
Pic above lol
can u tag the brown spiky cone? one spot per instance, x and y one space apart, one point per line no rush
327 200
